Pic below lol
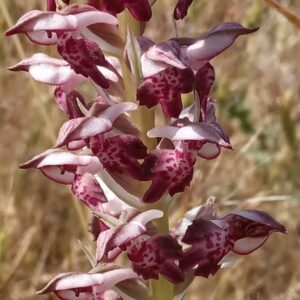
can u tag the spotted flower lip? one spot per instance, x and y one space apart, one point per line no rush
159 254
41 26
61 166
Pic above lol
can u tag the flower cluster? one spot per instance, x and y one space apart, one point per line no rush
114 158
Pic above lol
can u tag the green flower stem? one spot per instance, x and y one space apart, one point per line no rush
145 119
162 289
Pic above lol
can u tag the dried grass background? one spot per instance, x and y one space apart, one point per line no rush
257 89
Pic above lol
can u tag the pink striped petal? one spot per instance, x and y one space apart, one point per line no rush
204 132
61 166
81 285
86 127
46 69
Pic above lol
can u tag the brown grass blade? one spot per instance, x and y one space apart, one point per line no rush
294 19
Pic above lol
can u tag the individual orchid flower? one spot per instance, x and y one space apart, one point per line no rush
44 27
165 77
110 243
75 169
97 122
212 238
84 56
168 68
119 152
140 9
85 286
171 169
61 166
181 9
149 255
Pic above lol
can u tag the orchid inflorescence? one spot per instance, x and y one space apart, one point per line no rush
120 161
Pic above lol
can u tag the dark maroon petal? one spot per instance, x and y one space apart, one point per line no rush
166 88
202 211
144 43
68 102
210 245
181 9
170 171
84 56
120 153
151 256
87 189
204 80
96 226
140 9
72 104
51 5
112 6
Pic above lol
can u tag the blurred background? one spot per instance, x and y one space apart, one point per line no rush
257 89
